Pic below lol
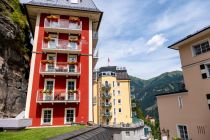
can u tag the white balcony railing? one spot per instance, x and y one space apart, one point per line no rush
57 96
62 24
60 68
62 45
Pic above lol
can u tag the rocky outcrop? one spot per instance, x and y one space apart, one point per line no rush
14 64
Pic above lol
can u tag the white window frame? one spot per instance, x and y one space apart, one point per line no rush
75 87
75 61
45 84
206 69
180 102
48 55
178 132
42 116
199 42
65 122
54 35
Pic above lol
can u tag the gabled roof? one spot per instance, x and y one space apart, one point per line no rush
82 5
190 37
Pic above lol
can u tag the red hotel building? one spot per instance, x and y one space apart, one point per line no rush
60 81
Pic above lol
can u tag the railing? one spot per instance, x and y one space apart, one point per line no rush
106 96
106 114
107 105
133 105
60 68
106 86
63 24
57 96
60 44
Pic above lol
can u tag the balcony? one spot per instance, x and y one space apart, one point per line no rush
60 68
62 26
106 86
106 96
133 105
106 114
57 96
62 46
106 105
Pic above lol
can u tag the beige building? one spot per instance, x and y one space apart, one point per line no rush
186 114
111 96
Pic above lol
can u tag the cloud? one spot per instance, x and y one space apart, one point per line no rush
156 42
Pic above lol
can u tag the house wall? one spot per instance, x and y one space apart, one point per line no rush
195 112
125 115
82 108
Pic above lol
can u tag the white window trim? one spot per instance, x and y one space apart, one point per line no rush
66 114
180 102
75 86
178 132
42 116
55 35
120 101
48 55
76 61
74 1
45 84
206 69
196 43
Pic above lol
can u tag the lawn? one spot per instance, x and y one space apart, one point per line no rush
38 133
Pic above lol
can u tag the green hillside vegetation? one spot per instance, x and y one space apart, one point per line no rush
145 90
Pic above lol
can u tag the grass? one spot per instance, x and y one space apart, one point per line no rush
38 133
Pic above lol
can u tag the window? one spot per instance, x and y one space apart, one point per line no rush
182 132
201 48
120 110
49 88
113 84
113 92
208 99
47 116
119 101
180 102
115 111
50 67
118 84
71 85
114 101
72 68
74 1
69 115
127 133
73 45
118 92
72 58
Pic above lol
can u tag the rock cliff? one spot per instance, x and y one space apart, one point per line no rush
14 58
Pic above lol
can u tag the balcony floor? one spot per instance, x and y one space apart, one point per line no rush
60 73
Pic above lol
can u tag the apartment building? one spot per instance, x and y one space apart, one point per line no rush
60 82
186 114
111 96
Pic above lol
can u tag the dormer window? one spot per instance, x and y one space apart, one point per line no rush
201 47
74 1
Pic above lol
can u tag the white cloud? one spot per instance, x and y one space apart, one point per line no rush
156 42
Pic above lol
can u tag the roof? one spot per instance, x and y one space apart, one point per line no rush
82 5
187 38
121 73
172 93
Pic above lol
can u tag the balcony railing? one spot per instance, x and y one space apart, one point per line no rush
106 86
106 95
57 96
62 25
61 46
106 114
60 68
106 105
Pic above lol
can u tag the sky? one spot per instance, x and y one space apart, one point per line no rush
135 33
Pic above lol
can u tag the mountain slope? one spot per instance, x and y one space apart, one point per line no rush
145 90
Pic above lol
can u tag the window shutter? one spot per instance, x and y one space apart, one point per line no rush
203 71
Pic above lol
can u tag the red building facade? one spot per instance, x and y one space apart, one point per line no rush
60 81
